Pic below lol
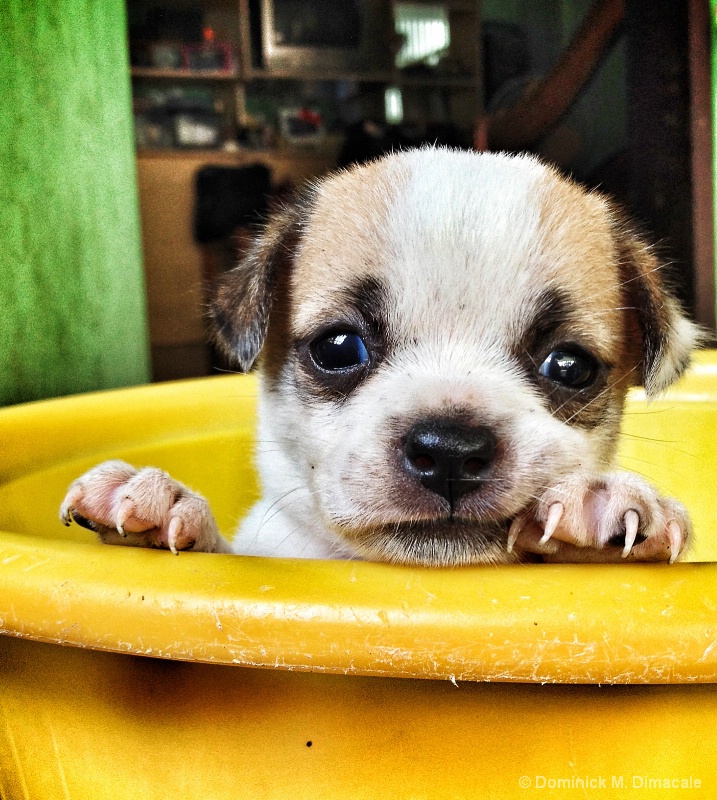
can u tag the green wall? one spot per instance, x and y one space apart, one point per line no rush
72 304
713 44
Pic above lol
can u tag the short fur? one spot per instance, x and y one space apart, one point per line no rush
478 264
461 273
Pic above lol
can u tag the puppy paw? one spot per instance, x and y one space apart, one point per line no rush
143 508
607 518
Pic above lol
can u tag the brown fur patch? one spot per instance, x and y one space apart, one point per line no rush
344 240
649 309
245 297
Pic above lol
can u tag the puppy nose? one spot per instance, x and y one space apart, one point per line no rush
448 458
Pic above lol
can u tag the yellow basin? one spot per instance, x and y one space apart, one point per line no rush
131 673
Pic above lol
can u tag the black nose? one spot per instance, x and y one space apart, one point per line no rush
448 458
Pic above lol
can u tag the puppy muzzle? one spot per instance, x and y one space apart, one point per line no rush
448 459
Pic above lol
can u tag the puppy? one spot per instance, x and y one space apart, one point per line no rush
445 341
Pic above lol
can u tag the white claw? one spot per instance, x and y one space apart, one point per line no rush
513 534
555 514
124 512
632 523
674 534
175 528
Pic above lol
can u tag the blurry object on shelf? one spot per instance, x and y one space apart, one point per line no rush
311 109
425 33
153 130
177 116
304 36
301 126
175 98
256 133
197 129
209 56
165 55
393 105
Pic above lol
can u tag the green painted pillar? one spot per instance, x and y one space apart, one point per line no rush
72 302
713 27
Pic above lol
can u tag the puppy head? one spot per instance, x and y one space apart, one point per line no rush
443 335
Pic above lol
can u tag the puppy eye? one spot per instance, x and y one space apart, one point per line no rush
339 351
570 367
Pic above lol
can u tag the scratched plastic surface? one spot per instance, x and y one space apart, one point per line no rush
279 678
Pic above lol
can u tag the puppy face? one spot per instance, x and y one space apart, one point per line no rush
443 335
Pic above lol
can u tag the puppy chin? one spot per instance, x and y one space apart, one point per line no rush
434 543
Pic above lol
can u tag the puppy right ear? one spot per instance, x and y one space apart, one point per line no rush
668 337
244 296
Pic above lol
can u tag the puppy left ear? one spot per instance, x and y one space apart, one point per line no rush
244 297
668 337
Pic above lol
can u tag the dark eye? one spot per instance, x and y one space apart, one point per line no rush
339 351
570 367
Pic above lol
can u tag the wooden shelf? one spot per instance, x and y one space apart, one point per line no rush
329 75
184 74
393 78
456 81
241 154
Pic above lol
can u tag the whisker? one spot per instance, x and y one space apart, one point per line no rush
657 268
598 396
274 507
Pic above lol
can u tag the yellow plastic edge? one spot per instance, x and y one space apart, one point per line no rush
539 623
586 624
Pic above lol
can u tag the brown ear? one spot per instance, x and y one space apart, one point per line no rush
668 338
244 297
